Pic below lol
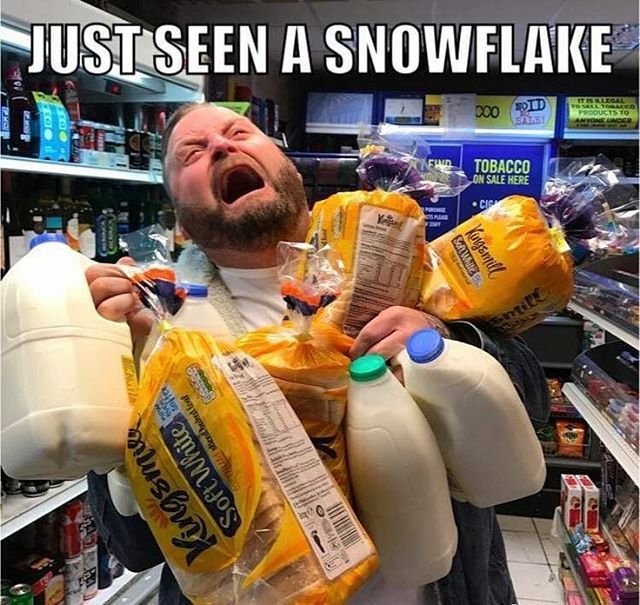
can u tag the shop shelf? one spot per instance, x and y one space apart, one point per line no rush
565 540
609 437
131 588
78 170
18 511
624 334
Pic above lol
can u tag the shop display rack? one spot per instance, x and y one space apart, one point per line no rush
621 332
34 166
610 438
18 511
574 565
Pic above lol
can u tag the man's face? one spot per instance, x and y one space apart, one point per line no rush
234 189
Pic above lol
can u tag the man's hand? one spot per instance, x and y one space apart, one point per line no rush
388 333
115 299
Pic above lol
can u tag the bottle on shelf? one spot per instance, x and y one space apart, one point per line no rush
106 223
86 233
13 247
69 92
54 220
19 110
4 121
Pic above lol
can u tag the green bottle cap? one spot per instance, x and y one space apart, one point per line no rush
368 367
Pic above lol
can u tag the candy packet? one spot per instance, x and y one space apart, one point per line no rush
210 451
597 212
308 357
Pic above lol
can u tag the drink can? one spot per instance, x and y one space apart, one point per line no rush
132 145
90 565
21 594
119 140
87 134
109 138
5 600
100 136
72 522
73 581
5 585
105 571
90 531
75 145
11 485
34 489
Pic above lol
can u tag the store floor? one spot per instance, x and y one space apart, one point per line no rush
533 559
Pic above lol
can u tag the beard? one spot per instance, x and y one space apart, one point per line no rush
259 228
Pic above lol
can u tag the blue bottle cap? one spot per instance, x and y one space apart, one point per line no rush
367 367
197 290
44 238
425 345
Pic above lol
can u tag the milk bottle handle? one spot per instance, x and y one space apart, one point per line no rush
121 493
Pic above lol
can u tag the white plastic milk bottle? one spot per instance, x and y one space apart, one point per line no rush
398 477
487 441
67 373
197 313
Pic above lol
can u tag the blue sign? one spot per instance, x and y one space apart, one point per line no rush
440 215
499 170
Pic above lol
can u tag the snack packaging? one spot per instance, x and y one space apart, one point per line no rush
380 233
306 356
598 214
228 481
504 266
594 570
570 437
590 504
570 501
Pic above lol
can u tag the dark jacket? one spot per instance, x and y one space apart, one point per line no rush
479 575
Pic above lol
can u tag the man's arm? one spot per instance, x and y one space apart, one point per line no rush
129 539
517 359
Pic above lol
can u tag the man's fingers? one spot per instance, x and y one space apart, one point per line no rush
126 260
375 331
103 288
117 308
98 270
388 347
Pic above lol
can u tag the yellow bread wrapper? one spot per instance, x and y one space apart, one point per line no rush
233 490
380 238
504 266
312 370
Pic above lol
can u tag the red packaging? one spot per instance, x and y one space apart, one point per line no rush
570 501
590 504
99 137
72 523
595 570
45 575
599 544
87 134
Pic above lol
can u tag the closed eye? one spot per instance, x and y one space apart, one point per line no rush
191 153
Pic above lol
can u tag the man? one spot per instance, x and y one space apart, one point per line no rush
236 196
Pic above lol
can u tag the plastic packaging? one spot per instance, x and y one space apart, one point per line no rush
380 233
596 211
308 357
398 477
68 379
486 439
504 266
230 484
239 502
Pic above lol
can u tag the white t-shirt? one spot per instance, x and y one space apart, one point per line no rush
256 293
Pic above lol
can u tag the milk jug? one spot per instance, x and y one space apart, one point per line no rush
67 373
197 313
398 477
487 441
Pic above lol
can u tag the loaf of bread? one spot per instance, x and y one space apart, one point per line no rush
504 266
240 504
312 372
380 238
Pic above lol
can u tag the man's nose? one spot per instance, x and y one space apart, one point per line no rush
220 146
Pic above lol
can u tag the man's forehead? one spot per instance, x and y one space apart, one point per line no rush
205 119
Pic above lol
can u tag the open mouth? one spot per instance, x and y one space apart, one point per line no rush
238 182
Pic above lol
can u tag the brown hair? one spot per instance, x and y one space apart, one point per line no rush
176 116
